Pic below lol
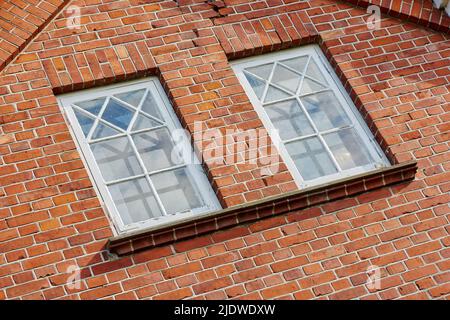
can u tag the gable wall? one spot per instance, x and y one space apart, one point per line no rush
50 217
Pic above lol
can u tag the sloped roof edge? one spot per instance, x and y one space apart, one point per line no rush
20 23
422 12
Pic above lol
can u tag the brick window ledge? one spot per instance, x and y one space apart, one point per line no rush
290 202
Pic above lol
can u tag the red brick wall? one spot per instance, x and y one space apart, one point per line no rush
50 217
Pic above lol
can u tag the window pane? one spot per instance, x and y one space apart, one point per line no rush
285 78
133 97
84 121
176 190
92 106
103 131
135 201
348 149
116 159
314 72
257 85
297 64
262 71
289 119
325 110
117 114
310 86
274 94
156 148
311 158
144 122
151 107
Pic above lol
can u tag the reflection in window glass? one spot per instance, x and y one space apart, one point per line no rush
135 200
311 158
177 191
348 148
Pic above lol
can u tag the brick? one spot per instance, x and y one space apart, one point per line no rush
396 234
279 290
175 295
419 273
349 293
26 288
42 260
141 281
440 290
212 285
111 266
326 254
101 292
219 260
289 264
424 248
182 270
251 274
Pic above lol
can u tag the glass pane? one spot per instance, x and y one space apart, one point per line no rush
176 191
144 122
116 159
133 97
156 149
117 114
297 64
263 71
310 86
135 201
274 94
348 149
289 119
150 106
285 78
311 158
314 72
93 106
325 110
84 121
103 131
257 85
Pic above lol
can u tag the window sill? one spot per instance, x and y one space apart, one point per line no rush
294 201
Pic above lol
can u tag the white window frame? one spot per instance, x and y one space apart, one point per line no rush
183 145
315 53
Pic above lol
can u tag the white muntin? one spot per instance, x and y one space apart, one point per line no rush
124 133
317 129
